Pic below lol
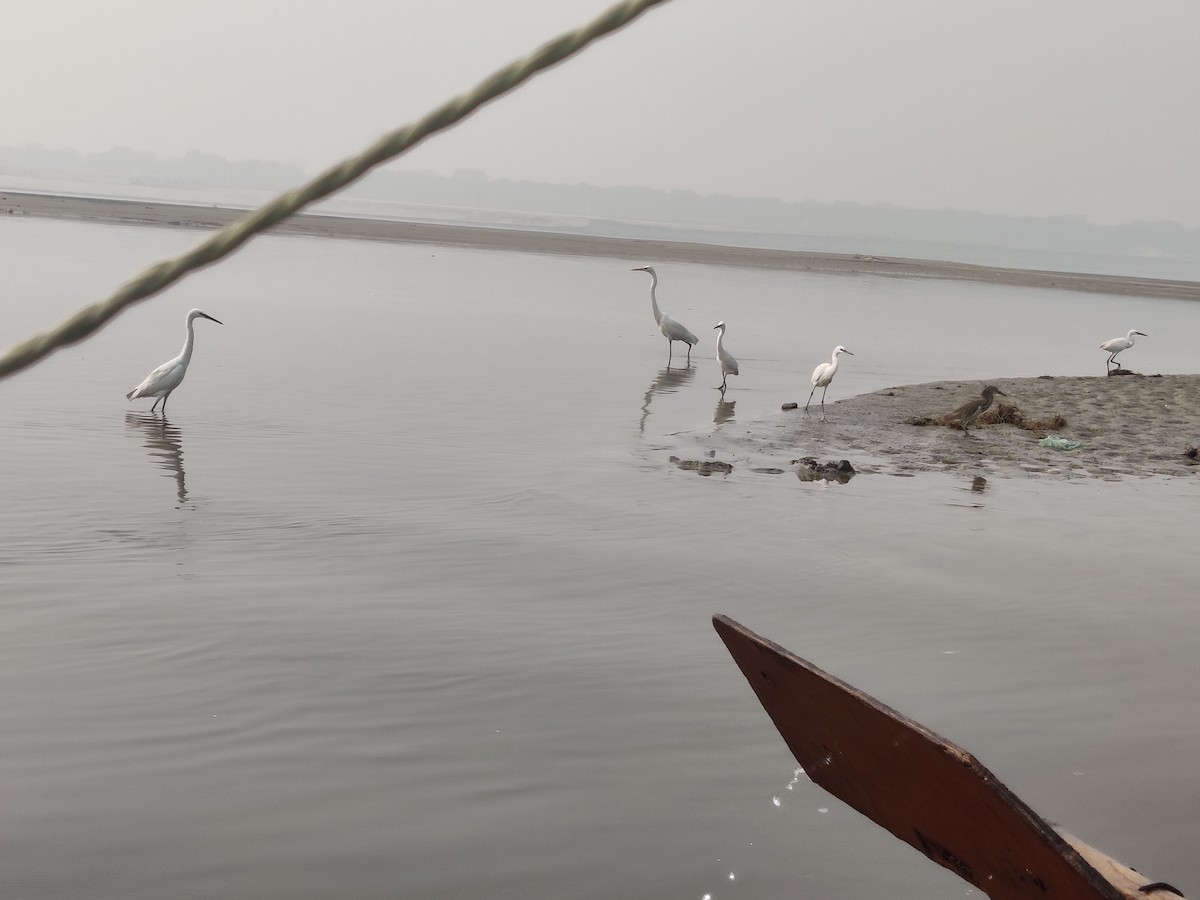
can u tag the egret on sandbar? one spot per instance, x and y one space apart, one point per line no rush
1116 345
973 409
728 363
169 375
672 330
822 375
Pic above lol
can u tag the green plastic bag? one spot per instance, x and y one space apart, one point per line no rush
1055 443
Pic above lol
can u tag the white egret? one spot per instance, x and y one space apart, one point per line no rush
169 375
1116 345
822 375
973 409
672 330
728 363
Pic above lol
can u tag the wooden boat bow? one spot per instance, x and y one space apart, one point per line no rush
925 790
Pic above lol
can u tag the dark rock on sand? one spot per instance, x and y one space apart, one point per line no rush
703 466
808 469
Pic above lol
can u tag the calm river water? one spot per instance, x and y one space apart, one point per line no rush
403 598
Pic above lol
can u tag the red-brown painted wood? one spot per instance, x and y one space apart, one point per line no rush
925 790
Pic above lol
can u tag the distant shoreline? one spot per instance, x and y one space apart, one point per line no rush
633 250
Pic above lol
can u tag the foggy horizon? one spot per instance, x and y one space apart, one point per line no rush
302 173
1024 110
470 197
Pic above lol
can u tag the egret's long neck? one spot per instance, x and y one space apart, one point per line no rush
187 345
654 299
833 367
1129 337
720 339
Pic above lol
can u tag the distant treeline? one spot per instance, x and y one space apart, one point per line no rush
124 166
472 189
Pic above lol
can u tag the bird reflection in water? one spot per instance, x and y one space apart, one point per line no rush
978 485
164 442
668 381
724 411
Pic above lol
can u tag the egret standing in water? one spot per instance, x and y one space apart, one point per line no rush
822 375
672 330
973 409
169 375
1116 345
728 363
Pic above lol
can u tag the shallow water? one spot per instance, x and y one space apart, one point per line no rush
403 598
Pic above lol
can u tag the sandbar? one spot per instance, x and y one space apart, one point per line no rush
1129 425
175 215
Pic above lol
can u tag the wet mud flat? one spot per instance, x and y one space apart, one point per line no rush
1127 425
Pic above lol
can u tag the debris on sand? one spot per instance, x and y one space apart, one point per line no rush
1003 414
1010 414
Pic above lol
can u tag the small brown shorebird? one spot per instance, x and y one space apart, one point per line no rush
973 409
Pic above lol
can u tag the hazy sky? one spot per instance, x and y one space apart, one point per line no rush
1084 107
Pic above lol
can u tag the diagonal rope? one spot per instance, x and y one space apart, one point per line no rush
158 277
